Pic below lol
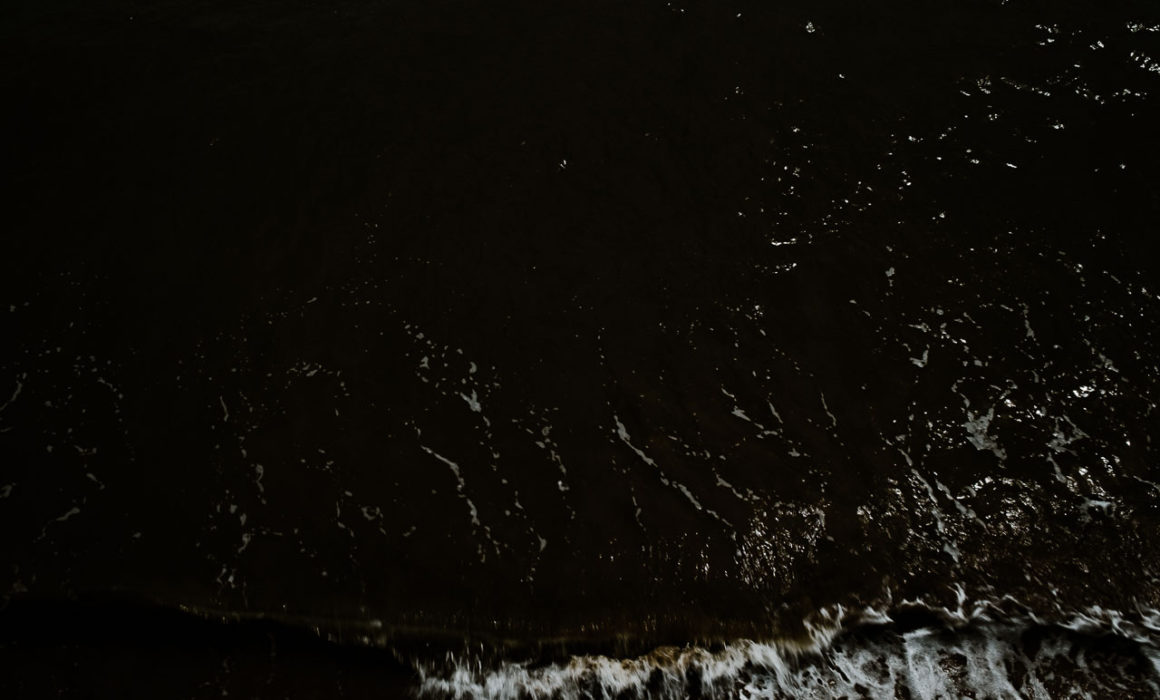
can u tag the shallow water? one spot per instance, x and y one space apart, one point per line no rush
585 336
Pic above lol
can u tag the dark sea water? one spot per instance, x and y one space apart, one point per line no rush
579 349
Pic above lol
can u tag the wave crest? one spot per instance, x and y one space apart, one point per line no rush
950 653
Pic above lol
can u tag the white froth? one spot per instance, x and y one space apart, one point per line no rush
983 658
68 514
15 394
472 401
976 426
461 490
622 433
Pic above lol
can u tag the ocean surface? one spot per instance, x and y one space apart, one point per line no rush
633 349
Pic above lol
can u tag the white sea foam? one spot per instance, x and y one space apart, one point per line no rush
976 655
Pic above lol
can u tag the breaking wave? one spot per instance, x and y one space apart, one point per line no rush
912 652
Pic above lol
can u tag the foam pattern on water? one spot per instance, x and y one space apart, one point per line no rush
1090 654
